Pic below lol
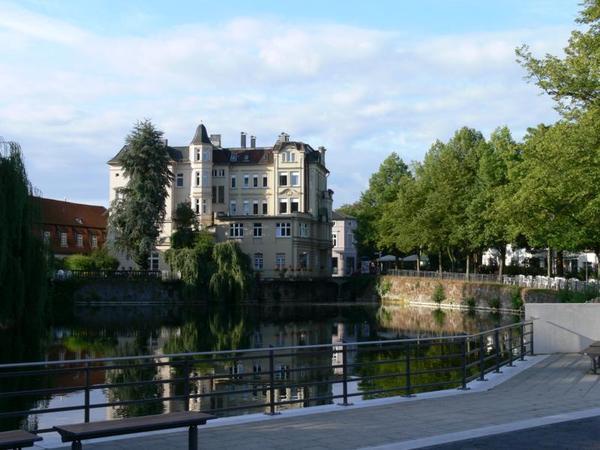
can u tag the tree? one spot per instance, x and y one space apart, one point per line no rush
23 257
573 81
233 276
137 214
194 263
186 226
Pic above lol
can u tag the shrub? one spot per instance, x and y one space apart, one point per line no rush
79 262
471 302
103 261
383 287
516 300
439 295
494 303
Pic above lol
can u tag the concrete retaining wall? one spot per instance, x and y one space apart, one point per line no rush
563 327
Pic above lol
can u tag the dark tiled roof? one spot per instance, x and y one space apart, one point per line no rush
59 212
201 136
337 215
176 153
243 156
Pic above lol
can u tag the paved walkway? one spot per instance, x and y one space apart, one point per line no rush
557 385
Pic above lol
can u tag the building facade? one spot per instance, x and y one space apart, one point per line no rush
344 257
70 228
273 201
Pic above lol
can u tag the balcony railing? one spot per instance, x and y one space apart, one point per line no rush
39 395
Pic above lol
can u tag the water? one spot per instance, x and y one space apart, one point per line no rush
96 332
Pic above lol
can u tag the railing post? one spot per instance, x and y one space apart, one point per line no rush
87 393
510 347
344 375
481 359
464 364
531 339
522 342
186 384
407 368
497 347
272 411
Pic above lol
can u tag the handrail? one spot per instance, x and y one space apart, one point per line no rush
256 350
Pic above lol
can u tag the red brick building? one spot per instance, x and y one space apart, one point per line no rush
71 228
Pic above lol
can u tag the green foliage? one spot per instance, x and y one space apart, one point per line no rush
439 295
494 303
383 287
515 297
471 303
79 262
103 260
23 257
570 296
233 276
186 226
195 264
97 260
138 212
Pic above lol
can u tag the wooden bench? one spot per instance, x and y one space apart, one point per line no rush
593 351
82 431
17 439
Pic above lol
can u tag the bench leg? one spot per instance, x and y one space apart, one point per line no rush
76 445
193 438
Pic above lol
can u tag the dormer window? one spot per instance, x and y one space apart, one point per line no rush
79 220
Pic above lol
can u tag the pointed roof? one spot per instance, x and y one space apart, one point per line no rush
201 136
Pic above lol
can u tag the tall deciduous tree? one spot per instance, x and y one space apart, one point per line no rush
137 214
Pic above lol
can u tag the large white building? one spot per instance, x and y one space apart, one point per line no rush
273 201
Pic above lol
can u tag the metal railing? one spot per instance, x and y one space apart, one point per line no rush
280 377
164 275
538 282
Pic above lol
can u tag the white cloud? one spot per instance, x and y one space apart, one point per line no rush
70 96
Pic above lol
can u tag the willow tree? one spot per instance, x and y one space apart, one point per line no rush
233 276
23 260
137 214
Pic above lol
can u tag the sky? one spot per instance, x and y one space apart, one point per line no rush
362 78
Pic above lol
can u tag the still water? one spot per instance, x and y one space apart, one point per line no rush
96 332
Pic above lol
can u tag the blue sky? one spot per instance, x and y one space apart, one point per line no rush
361 78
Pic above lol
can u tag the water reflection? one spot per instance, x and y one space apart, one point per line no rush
108 331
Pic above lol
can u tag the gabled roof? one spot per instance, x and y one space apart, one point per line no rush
59 212
201 136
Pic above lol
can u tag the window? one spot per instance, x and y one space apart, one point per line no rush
233 183
246 207
79 240
246 181
257 230
265 181
294 205
255 207
232 208
63 239
221 172
214 194
153 261
204 208
265 208
258 261
197 178
179 180
94 241
236 230
206 155
283 179
197 206
334 239
295 178
288 157
283 207
280 261
283 229
304 230
255 181
197 154
221 198
46 237
303 260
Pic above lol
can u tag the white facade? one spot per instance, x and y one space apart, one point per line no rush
273 201
344 257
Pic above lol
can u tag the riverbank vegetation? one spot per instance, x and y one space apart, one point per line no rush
472 193
23 256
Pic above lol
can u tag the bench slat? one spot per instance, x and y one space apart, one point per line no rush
82 431
17 438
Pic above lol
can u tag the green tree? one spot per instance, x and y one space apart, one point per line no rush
23 257
195 264
574 80
138 212
233 276
186 226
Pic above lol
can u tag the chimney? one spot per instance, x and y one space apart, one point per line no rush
215 139
165 142
284 137
243 139
252 141
322 151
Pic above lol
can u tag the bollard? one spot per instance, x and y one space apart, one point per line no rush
87 393
344 376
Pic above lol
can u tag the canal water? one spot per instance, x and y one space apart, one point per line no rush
108 331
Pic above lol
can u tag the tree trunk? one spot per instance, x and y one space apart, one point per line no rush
468 265
440 261
419 261
549 262
560 264
597 252
501 262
